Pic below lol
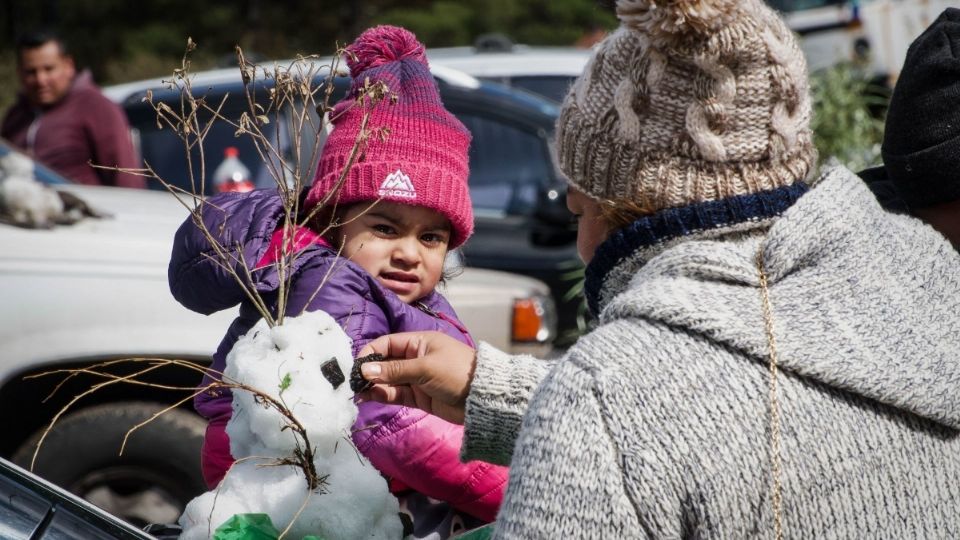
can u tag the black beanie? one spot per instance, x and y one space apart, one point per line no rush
921 141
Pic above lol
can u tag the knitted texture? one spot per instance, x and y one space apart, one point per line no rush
674 223
417 151
689 101
509 384
656 424
921 142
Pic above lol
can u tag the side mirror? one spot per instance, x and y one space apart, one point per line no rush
553 223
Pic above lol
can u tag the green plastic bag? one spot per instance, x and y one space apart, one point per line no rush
247 527
251 527
480 533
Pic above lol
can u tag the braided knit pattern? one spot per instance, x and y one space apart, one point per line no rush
689 102
657 423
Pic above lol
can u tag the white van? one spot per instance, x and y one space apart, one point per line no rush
878 32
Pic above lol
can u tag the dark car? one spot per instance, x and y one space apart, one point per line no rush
32 508
522 224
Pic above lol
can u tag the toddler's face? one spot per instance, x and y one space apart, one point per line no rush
402 246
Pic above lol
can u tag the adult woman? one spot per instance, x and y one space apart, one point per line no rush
712 265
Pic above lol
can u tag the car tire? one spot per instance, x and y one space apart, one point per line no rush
157 475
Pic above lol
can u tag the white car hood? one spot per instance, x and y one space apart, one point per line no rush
98 288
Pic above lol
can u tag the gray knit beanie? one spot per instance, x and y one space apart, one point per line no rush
689 101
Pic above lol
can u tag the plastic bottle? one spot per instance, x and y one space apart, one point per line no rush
232 174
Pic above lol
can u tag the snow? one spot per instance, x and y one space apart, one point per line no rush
285 363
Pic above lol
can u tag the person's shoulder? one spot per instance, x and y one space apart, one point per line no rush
649 358
93 100
321 273
331 270
88 97
651 379
621 342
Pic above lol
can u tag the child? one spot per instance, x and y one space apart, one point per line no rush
391 261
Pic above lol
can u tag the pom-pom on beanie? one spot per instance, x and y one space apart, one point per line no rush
921 141
689 101
421 159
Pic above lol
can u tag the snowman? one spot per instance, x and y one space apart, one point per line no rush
304 365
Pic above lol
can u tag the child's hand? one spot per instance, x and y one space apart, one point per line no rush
427 370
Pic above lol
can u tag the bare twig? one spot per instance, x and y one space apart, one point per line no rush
303 456
297 105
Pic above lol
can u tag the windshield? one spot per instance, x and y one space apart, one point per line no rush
787 6
553 87
41 172
507 166
163 150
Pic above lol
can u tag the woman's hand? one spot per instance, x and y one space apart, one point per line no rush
427 370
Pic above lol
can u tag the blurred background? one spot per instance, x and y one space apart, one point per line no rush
75 293
854 47
121 41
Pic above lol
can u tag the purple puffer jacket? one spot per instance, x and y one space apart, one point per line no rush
413 449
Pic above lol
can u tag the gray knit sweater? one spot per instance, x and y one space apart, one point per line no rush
656 424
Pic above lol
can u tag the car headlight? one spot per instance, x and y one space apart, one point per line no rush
534 320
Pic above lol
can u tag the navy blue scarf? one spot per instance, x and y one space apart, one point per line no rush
677 222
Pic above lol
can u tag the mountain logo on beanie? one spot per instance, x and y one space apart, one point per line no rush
397 184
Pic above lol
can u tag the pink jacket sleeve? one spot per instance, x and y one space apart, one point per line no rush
423 452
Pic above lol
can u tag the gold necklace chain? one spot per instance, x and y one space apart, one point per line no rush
776 498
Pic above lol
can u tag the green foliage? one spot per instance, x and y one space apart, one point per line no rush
846 122
540 22
574 273
8 80
443 22
121 40
285 382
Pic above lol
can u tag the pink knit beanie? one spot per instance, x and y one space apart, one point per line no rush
423 159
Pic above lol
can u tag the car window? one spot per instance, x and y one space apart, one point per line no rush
553 87
508 165
20 510
163 150
787 6
67 526
31 508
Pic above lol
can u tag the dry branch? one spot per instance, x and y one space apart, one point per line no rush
298 99
303 451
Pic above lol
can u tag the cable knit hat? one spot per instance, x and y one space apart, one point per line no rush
921 142
423 159
689 101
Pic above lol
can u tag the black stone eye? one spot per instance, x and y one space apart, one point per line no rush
332 372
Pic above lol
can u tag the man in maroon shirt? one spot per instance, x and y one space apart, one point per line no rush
63 120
